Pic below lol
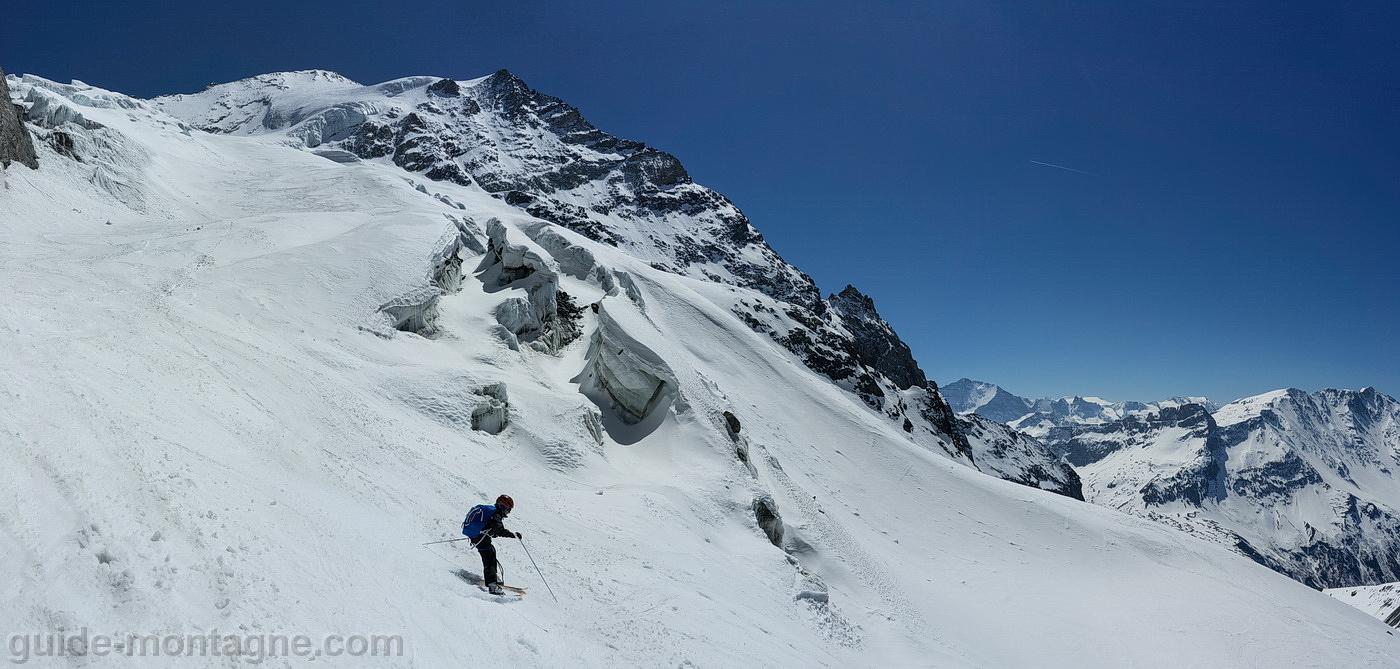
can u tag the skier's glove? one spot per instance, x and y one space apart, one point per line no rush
519 535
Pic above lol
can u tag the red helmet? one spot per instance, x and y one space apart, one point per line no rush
505 502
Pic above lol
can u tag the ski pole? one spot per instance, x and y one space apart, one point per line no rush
537 570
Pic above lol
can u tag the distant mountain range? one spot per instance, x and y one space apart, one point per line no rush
1304 483
1037 417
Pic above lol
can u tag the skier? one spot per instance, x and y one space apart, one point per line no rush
482 523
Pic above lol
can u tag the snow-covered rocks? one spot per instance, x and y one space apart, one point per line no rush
1302 483
1014 456
765 512
1040 417
985 399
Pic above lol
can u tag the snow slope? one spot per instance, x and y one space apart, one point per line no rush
1381 601
210 421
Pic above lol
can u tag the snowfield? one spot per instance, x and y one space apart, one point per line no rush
209 423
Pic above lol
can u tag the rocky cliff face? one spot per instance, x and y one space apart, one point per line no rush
1303 483
15 143
875 342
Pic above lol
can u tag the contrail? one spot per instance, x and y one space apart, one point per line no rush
1062 167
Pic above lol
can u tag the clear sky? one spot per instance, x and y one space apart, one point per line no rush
1124 198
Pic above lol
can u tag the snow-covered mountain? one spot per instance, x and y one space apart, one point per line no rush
989 400
254 369
1039 417
1303 483
531 150
1015 456
538 154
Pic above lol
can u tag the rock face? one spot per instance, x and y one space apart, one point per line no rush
875 342
765 511
846 339
15 143
1305 484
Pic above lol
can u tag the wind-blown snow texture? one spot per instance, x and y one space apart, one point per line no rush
212 422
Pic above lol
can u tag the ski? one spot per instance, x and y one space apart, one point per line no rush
518 591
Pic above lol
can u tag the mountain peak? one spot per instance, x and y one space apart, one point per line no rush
985 399
852 302
875 340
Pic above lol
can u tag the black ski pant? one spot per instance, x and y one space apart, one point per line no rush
488 560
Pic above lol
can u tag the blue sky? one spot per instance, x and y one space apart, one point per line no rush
1228 224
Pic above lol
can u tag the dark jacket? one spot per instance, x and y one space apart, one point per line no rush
494 527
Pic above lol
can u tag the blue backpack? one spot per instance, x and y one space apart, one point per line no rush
477 518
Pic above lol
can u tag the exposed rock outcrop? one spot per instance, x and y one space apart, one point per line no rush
731 423
15 143
765 511
874 341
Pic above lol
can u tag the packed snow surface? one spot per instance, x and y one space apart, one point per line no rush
209 423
